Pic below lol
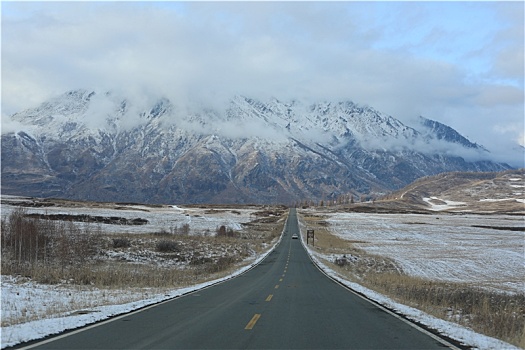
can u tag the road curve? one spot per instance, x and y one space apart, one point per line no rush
283 303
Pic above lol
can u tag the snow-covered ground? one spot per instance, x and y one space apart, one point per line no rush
448 204
442 247
159 217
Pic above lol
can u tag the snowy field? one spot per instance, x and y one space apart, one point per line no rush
442 247
159 217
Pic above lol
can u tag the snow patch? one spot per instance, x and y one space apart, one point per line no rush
448 203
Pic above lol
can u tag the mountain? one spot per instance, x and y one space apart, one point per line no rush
105 147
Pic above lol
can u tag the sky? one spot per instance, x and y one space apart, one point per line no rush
460 63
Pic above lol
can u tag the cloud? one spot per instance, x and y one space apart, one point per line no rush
404 59
509 59
242 129
11 126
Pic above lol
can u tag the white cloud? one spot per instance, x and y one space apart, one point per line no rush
509 41
9 125
404 59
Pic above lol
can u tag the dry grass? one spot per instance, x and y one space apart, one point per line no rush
491 313
54 252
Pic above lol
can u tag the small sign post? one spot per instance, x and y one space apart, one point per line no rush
310 234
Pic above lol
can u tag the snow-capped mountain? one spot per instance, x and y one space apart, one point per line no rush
85 145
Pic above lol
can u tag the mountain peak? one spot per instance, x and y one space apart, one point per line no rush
443 132
100 147
81 94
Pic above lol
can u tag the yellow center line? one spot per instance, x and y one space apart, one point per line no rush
252 321
280 279
269 297
276 286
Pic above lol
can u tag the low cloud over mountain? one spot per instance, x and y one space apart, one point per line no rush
102 146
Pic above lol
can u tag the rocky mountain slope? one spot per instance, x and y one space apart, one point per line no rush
104 147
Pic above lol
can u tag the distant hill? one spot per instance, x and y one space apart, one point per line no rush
456 192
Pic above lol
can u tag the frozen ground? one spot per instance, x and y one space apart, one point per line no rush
442 247
159 217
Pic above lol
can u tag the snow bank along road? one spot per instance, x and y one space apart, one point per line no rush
285 302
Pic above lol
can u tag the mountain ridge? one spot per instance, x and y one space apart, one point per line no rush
84 145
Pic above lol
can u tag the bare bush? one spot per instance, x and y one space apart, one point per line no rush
213 265
223 231
199 260
168 246
28 242
121 243
225 262
24 240
342 261
164 232
185 229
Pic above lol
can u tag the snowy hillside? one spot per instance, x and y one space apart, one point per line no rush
101 146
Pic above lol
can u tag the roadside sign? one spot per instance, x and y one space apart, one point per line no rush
310 234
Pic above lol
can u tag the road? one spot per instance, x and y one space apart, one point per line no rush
283 303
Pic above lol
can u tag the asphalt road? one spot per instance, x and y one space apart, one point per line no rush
283 303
